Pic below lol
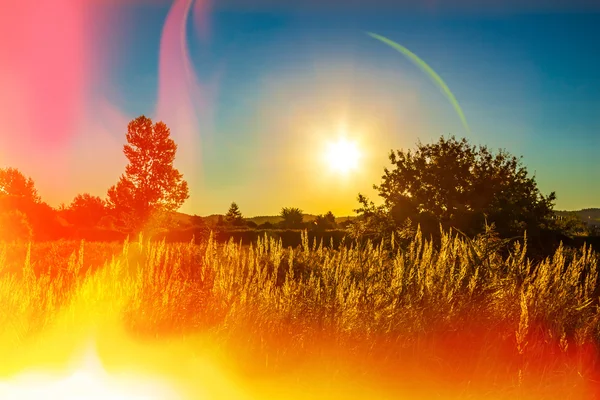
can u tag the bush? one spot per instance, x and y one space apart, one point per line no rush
266 225
458 185
14 225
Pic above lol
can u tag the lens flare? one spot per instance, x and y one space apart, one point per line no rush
88 380
201 20
429 71
46 67
45 47
179 91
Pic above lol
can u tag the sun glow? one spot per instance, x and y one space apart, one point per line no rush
88 381
343 156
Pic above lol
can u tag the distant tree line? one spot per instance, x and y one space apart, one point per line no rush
448 184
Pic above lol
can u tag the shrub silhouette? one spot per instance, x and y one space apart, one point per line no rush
266 225
16 190
325 222
14 226
86 210
292 218
18 198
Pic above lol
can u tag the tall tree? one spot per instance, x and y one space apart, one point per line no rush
150 187
234 215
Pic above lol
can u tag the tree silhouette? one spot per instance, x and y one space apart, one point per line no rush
456 184
234 215
292 217
325 222
330 219
151 187
86 210
20 199
14 226
15 189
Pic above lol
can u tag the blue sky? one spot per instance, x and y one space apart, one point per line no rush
527 81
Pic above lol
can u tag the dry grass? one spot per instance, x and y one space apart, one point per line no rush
462 315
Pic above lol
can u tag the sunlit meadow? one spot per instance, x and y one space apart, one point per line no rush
394 320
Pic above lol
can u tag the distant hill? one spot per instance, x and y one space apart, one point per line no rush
185 219
589 215
273 219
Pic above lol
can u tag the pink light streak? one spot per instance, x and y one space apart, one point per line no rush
180 95
43 46
52 54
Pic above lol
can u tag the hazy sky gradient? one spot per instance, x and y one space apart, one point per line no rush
253 92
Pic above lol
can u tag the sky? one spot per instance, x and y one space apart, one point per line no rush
253 92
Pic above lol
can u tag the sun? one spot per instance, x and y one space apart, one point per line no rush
343 156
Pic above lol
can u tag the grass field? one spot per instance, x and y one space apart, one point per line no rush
406 319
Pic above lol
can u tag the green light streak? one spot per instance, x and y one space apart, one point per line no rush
427 69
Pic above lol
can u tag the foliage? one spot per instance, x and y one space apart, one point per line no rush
266 225
292 218
345 224
460 185
234 216
571 224
16 187
151 187
17 192
374 220
325 222
14 225
44 222
86 210
19 199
